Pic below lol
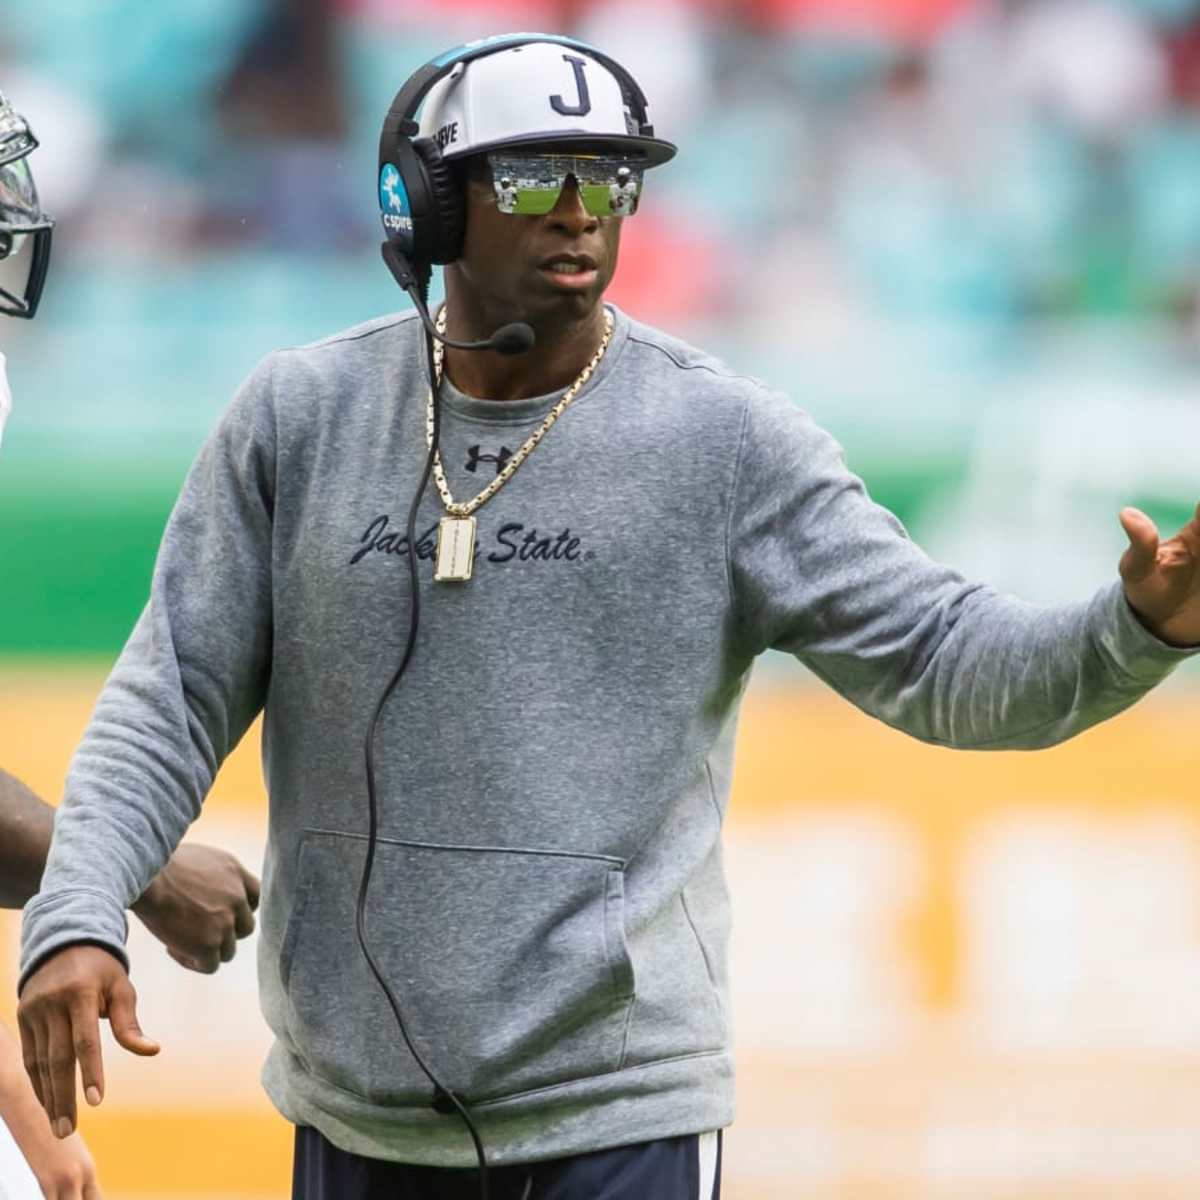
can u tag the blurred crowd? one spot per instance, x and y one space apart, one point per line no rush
998 160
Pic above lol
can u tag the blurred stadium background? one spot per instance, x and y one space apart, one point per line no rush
965 234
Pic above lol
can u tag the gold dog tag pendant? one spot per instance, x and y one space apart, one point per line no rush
455 550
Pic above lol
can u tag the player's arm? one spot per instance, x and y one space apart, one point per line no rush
198 905
64 1169
820 571
186 687
26 824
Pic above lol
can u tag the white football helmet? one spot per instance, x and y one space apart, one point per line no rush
25 230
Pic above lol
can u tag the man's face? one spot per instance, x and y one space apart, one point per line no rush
513 265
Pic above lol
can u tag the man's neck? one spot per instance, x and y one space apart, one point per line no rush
556 360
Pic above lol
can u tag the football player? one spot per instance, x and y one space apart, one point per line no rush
204 899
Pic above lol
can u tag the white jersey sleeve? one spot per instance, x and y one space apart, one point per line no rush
5 396
17 1180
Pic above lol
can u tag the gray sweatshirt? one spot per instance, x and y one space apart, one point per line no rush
547 898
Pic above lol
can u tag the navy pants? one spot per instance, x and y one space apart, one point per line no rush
670 1169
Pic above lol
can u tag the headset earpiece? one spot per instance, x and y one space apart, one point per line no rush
447 206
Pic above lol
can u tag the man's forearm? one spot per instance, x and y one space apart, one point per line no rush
26 826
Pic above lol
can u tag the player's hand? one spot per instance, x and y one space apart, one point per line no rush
1162 579
64 1169
201 902
59 1017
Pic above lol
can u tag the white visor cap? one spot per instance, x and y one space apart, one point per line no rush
538 92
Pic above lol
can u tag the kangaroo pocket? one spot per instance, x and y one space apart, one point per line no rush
510 967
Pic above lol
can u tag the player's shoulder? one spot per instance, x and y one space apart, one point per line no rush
716 395
328 366
379 335
703 372
323 373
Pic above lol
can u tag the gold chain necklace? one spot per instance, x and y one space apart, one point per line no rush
456 531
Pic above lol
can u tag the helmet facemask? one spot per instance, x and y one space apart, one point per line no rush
25 230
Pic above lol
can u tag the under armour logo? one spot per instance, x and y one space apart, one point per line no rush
474 458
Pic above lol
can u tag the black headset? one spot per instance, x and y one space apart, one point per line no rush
428 228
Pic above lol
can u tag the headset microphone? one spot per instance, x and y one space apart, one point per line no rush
514 338
517 338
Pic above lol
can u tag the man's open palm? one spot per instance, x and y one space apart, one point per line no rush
1162 579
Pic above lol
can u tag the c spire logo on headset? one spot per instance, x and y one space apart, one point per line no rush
393 201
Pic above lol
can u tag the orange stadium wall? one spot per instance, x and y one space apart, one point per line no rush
954 973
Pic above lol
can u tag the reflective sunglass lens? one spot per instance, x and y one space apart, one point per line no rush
530 185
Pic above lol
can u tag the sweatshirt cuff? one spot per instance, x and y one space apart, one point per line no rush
1128 646
53 921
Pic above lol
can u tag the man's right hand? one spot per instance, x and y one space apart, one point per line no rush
59 1017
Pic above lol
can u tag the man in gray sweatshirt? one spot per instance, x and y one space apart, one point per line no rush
618 525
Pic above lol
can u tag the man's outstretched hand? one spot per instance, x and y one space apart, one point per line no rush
1162 579
59 1015
199 905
